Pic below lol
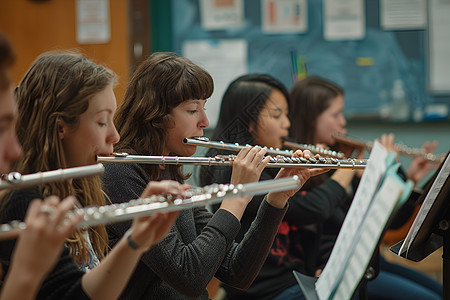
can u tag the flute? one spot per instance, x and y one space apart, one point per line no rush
205 142
314 150
210 194
15 180
278 161
401 149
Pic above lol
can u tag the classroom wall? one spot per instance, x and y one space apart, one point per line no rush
395 54
38 26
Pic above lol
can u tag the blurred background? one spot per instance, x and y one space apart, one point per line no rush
390 56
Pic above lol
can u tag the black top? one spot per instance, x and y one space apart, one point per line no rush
64 281
199 246
297 242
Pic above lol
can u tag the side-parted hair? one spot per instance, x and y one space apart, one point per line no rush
160 83
59 86
7 58
309 97
241 106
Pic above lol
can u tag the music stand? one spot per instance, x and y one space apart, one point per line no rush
431 227
379 194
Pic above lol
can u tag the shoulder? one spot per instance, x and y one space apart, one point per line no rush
123 170
15 204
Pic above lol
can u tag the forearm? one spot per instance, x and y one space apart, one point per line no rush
235 206
244 260
20 284
343 177
107 280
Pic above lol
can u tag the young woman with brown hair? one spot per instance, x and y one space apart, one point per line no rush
164 104
66 105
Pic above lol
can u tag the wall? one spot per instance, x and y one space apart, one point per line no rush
395 54
38 26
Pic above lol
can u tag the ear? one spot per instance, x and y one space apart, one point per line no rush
252 128
62 128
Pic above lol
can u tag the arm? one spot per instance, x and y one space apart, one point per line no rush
107 280
38 248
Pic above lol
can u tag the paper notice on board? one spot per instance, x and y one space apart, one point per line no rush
403 14
93 22
344 20
221 14
439 46
284 16
225 60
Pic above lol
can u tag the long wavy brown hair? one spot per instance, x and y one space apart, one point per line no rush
59 86
160 83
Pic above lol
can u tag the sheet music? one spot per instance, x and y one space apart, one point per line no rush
382 207
426 205
375 169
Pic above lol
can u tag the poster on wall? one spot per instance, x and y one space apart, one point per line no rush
343 20
403 14
225 60
93 22
221 14
284 16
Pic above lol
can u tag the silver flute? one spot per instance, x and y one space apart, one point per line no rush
15 180
205 142
401 148
278 161
210 194
314 150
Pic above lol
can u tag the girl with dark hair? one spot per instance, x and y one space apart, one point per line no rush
66 105
164 103
317 115
255 110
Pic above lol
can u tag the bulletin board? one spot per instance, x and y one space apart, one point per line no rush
388 55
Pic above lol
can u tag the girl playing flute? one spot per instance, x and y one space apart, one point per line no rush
164 103
66 104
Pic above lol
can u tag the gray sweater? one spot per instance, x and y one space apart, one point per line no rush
199 246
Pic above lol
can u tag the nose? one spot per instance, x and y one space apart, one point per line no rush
203 122
113 137
343 120
286 122
13 150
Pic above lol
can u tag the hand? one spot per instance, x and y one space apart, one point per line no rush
41 243
248 165
318 272
278 199
419 166
387 141
149 230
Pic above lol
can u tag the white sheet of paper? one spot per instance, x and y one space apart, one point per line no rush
436 187
374 171
221 14
379 213
284 16
403 14
439 46
344 20
93 22
225 60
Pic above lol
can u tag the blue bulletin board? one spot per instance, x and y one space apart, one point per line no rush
366 68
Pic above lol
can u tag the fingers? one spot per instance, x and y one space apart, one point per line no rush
165 187
61 209
305 153
251 155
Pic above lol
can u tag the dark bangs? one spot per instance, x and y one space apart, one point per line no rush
194 83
